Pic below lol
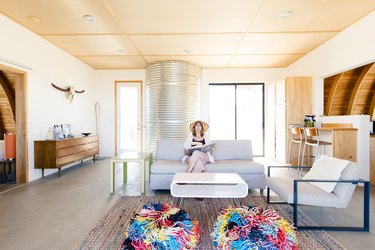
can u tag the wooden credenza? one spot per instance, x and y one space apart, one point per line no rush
57 153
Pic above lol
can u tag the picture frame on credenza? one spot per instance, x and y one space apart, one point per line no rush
67 133
57 129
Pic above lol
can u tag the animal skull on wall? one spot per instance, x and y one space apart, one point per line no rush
70 91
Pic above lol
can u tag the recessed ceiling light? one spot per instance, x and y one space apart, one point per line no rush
121 51
187 51
34 19
285 14
89 18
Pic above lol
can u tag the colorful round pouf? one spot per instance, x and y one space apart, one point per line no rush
252 228
162 226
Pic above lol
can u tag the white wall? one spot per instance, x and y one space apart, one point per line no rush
105 93
104 86
44 63
349 49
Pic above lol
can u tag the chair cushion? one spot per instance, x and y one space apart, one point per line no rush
326 168
345 190
307 194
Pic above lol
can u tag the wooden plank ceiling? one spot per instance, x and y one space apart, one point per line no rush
351 92
130 34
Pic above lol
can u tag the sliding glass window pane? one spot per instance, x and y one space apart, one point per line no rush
222 112
250 115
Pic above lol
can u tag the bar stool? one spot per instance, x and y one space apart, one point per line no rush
312 139
10 156
296 136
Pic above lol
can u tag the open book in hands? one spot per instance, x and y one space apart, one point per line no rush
205 148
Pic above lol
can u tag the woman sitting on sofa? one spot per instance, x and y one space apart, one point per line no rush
198 159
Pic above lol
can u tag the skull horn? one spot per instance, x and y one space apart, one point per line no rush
66 89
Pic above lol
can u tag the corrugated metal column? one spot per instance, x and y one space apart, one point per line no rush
173 100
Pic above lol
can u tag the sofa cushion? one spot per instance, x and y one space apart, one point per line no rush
168 167
233 150
235 166
170 150
229 166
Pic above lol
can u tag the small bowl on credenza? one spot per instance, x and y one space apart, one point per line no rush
86 134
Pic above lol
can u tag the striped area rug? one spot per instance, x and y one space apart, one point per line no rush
109 232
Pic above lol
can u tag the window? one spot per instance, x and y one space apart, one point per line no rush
237 112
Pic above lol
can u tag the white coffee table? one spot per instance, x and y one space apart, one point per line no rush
208 185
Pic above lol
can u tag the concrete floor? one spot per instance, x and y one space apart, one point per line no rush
55 213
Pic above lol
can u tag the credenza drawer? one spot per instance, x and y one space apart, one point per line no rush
92 152
92 138
65 151
81 155
65 144
92 145
65 160
80 148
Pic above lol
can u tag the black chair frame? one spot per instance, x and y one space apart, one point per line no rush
366 203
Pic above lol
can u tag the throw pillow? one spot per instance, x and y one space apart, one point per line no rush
326 168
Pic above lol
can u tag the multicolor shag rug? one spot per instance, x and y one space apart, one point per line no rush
109 232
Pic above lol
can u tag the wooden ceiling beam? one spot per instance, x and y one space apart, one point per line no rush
360 81
333 93
8 93
372 108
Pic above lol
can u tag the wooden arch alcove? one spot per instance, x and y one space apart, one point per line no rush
351 92
13 105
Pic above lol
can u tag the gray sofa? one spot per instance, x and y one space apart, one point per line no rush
231 156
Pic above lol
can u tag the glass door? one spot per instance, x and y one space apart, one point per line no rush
237 113
128 117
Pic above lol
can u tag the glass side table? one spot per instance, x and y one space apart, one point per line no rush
124 158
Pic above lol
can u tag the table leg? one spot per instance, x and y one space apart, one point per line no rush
179 201
125 172
148 169
112 177
143 177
